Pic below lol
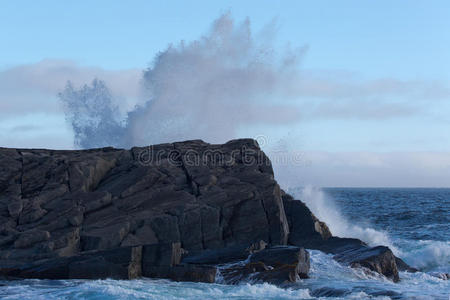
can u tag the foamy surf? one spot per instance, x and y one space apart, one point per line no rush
408 219
327 279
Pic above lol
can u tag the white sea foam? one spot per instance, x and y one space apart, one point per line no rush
429 255
327 273
327 211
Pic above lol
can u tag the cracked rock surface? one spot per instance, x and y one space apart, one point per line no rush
171 210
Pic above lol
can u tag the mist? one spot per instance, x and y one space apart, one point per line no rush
208 88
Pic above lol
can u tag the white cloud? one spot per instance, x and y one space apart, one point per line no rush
366 169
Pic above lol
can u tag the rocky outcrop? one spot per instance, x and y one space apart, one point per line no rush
276 265
170 211
118 263
307 231
379 259
63 204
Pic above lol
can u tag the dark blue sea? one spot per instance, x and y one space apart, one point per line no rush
414 223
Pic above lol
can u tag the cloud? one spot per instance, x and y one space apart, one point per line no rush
363 169
213 87
33 87
228 79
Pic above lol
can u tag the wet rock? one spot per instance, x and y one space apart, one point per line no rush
220 256
443 276
189 205
196 197
119 263
379 259
183 272
168 254
284 255
403 266
276 265
305 229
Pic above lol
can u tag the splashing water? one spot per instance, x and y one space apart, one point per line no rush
188 88
327 211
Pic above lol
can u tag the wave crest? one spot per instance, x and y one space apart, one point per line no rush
327 211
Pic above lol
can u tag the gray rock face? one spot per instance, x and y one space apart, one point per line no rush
118 263
171 211
59 204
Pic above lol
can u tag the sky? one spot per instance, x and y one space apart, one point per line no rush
366 103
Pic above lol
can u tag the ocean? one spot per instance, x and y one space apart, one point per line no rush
414 223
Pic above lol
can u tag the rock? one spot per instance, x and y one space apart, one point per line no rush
443 276
305 229
172 199
15 208
184 272
276 265
163 261
119 263
30 238
168 254
219 256
32 213
403 266
379 259
284 255
189 206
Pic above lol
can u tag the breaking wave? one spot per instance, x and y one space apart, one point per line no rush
327 211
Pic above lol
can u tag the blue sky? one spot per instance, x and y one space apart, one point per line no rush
383 68
378 38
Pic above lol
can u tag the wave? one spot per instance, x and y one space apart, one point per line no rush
426 255
429 255
327 211
327 275
144 289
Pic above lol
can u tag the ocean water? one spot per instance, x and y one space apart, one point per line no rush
415 223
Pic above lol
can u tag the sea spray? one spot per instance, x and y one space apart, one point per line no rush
429 255
209 88
323 206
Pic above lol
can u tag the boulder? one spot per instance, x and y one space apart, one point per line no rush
304 228
276 265
379 259
284 255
